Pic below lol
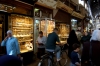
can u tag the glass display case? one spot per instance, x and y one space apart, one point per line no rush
22 27
63 31
42 24
45 24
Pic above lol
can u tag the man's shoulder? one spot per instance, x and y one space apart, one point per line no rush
14 38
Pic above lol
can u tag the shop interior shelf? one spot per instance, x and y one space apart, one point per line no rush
26 40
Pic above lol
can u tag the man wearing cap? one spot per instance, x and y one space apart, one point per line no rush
11 44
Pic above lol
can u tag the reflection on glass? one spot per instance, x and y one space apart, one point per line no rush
22 28
63 31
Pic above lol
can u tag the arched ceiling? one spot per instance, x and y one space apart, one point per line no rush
95 7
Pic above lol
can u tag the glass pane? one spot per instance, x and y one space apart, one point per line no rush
51 26
22 27
43 27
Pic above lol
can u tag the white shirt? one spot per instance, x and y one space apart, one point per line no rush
95 35
41 40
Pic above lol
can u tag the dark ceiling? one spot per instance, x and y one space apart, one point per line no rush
95 7
29 1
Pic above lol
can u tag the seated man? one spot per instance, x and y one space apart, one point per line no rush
51 43
10 60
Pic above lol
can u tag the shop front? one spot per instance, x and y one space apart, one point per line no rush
62 21
20 21
43 20
62 18
22 28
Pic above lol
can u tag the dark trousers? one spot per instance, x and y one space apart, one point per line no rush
41 51
69 51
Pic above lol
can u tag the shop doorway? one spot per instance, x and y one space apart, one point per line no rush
1 22
2 18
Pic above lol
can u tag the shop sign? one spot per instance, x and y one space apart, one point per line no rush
50 3
5 8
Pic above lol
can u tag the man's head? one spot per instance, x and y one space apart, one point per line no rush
41 34
9 33
76 47
55 30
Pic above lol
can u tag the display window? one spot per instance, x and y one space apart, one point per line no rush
46 25
22 27
63 31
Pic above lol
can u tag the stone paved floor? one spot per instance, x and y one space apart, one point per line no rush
35 63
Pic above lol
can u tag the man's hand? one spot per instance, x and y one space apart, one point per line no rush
6 38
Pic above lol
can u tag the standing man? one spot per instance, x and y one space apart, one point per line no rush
51 43
11 44
41 41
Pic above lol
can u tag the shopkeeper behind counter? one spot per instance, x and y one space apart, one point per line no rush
41 41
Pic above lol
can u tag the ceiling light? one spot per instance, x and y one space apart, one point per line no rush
36 9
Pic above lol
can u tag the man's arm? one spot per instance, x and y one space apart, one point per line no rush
57 40
4 41
37 42
45 39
